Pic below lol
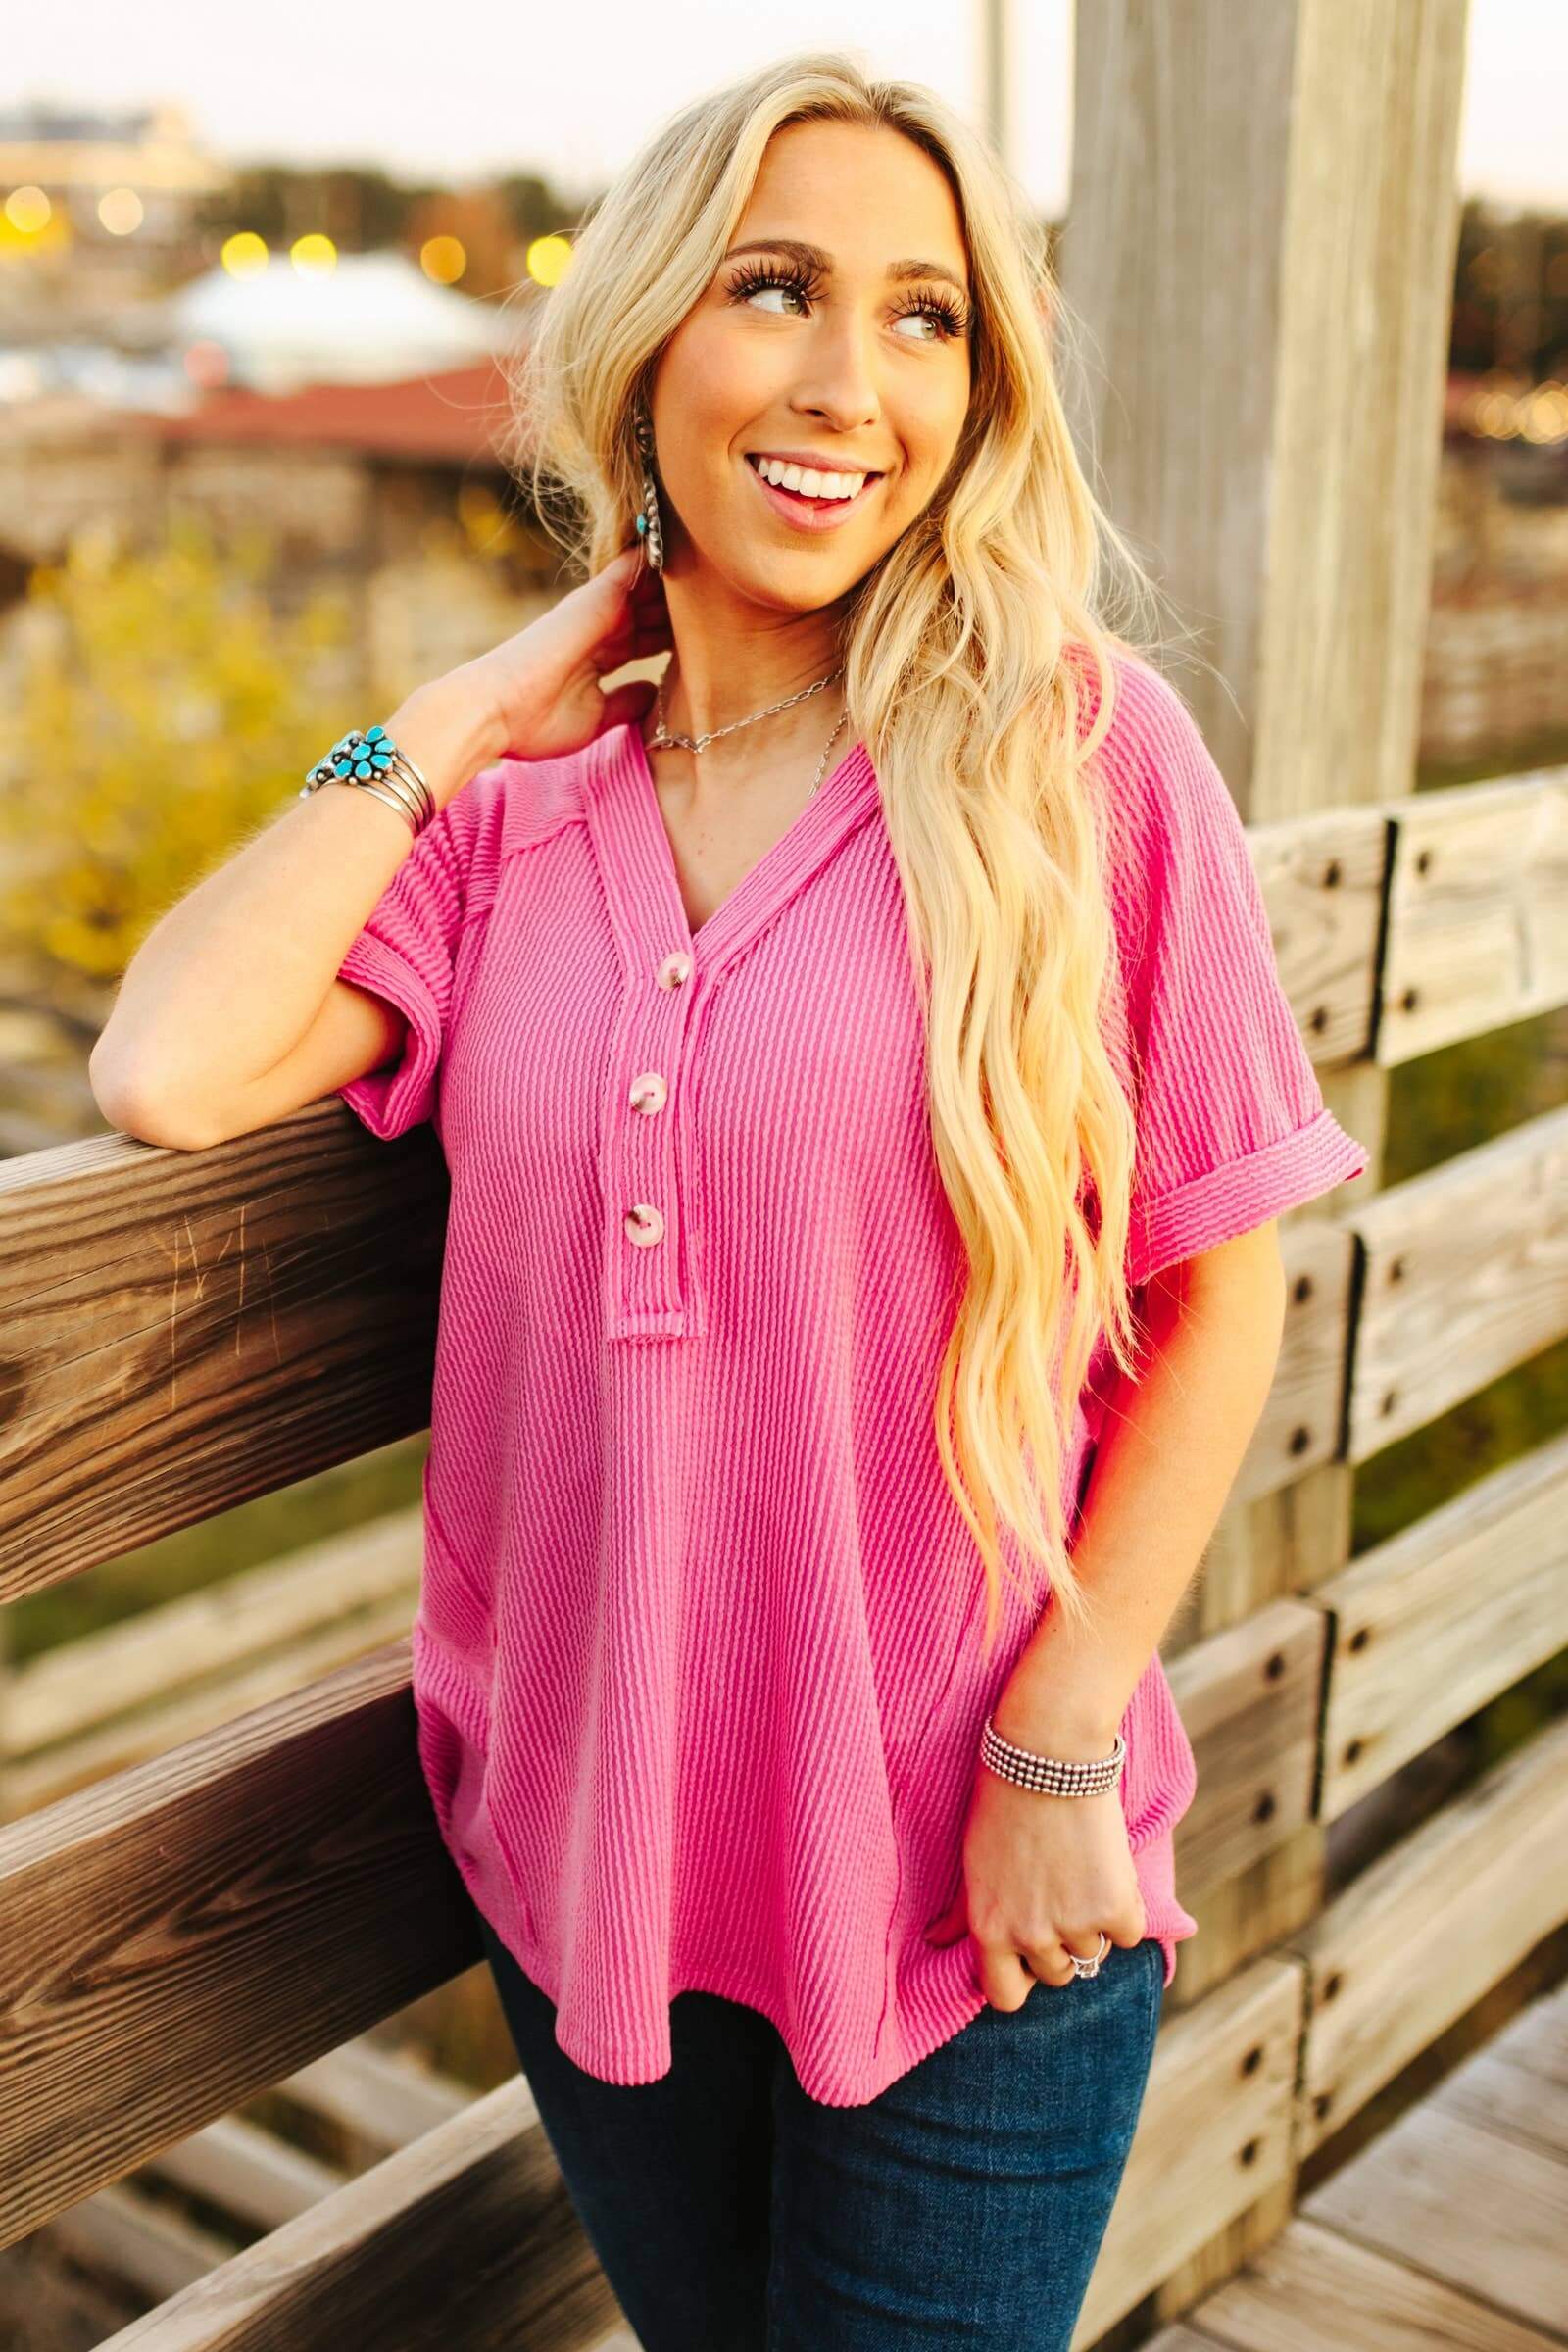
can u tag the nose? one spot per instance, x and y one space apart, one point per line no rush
838 382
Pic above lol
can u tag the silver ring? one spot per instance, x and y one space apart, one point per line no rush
1090 1968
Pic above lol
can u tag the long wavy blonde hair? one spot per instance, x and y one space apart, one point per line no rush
960 677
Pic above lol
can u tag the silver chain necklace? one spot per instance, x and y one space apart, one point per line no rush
662 740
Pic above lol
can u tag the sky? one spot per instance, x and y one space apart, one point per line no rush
471 87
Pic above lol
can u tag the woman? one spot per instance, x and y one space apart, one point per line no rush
867 1093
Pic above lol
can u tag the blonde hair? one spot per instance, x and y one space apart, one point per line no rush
960 676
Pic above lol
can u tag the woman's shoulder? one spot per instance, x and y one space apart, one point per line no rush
1164 798
1152 734
518 803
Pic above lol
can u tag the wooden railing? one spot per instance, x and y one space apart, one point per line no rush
190 1924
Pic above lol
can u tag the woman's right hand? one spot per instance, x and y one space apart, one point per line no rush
541 687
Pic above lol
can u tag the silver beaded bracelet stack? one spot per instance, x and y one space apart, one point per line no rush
1052 1775
374 764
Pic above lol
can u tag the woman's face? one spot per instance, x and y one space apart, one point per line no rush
835 330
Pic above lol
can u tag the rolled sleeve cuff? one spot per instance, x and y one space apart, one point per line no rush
1232 1199
391 1099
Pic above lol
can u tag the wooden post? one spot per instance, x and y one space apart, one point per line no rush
1260 248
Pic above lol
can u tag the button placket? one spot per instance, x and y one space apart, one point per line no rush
649 1201
647 1158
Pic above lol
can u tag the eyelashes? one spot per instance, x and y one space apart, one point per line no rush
752 276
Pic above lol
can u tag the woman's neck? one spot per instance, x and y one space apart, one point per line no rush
749 759
728 665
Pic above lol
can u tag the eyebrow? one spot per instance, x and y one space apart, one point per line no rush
812 257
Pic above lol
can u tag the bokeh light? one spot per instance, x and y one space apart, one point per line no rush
313 255
244 254
119 210
443 259
547 259
28 210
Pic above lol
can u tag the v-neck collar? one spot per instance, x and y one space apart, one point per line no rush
637 860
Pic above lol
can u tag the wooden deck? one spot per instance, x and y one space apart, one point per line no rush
1451 2228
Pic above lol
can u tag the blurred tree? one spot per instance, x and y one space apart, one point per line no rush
537 209
363 211
166 712
481 224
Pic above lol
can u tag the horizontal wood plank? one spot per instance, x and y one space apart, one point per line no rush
1477 911
1431 1625
1312 2287
124 2234
1465 1275
1467 2205
70 1689
1248 1699
28 1782
1423 1933
466 2237
186 1933
1302 1424
1322 879
184 1330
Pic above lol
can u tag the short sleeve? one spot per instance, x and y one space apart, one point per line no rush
1231 1123
406 952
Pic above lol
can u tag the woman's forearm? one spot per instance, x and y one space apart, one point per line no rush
229 980
1164 1465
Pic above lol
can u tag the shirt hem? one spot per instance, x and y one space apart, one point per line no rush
942 2008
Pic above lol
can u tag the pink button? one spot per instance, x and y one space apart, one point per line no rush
645 1224
675 971
649 1090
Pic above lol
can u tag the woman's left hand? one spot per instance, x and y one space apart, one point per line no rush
1043 1875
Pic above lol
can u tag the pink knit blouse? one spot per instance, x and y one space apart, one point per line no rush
696 1661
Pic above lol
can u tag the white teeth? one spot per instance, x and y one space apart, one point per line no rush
808 483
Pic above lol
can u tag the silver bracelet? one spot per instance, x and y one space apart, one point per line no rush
1052 1775
372 762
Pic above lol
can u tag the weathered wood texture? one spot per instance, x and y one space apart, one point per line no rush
182 1331
1478 912
1465 1275
1261 246
184 1933
1419 1936
466 2237
1445 2229
1431 1625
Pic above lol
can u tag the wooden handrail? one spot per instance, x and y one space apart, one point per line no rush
184 1933
183 1330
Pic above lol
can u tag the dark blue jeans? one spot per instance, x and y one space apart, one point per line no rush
964 2205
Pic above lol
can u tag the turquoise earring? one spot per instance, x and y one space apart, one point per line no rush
649 529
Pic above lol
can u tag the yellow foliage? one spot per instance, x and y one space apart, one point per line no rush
168 715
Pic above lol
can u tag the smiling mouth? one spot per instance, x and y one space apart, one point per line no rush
812 505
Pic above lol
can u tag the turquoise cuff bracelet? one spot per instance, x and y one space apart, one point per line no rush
372 762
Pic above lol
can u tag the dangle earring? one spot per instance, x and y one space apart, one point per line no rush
649 529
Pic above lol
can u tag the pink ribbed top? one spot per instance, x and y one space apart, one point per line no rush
696 1661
